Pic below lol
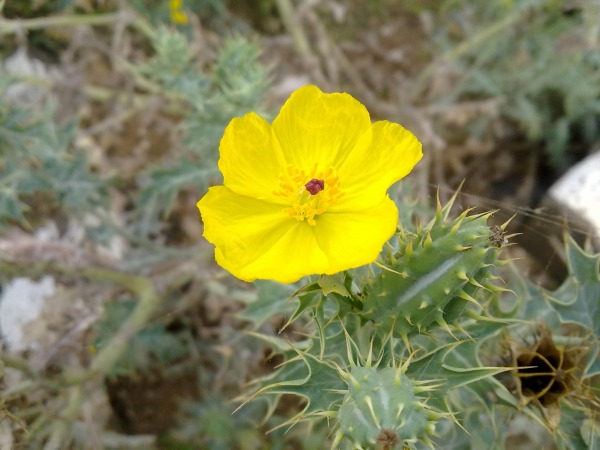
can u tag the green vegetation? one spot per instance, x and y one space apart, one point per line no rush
107 144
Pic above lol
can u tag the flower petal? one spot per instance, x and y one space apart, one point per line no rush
255 239
251 159
323 129
293 255
367 174
352 239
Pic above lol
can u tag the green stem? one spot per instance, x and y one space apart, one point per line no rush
61 427
143 289
19 25
16 25
290 20
148 302
286 11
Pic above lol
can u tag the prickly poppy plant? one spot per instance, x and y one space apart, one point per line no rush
410 351
306 194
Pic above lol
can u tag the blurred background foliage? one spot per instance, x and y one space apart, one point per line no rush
110 118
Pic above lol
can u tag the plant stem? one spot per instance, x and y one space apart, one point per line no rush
61 427
148 302
286 11
141 287
16 25
19 25
290 20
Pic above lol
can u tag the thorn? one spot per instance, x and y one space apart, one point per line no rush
505 224
354 381
460 329
448 207
476 283
444 325
462 294
349 341
462 276
428 241
462 248
400 409
428 442
508 236
491 276
405 365
486 215
404 337
369 361
494 288
369 403
503 262
438 208
389 338
459 221
403 274
408 250
479 317
398 377
400 231
422 388
418 405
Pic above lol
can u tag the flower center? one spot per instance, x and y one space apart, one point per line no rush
309 193
315 186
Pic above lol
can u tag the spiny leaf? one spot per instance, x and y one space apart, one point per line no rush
455 364
578 299
306 376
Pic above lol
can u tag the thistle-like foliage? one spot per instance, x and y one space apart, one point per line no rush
433 275
554 347
424 284
474 354
381 408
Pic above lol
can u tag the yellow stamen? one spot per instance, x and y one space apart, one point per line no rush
304 205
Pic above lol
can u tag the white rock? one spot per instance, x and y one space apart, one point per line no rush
578 193
22 301
19 63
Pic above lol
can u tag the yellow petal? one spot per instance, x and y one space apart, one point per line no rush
286 259
229 218
250 158
367 174
352 239
323 129
255 239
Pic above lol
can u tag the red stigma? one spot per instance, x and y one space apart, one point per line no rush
315 186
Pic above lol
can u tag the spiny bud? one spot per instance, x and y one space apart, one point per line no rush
381 410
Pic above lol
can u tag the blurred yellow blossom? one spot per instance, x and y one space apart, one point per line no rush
177 15
307 194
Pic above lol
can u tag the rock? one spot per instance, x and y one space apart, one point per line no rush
21 302
577 195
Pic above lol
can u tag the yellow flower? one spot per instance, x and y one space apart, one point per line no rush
307 194
177 15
